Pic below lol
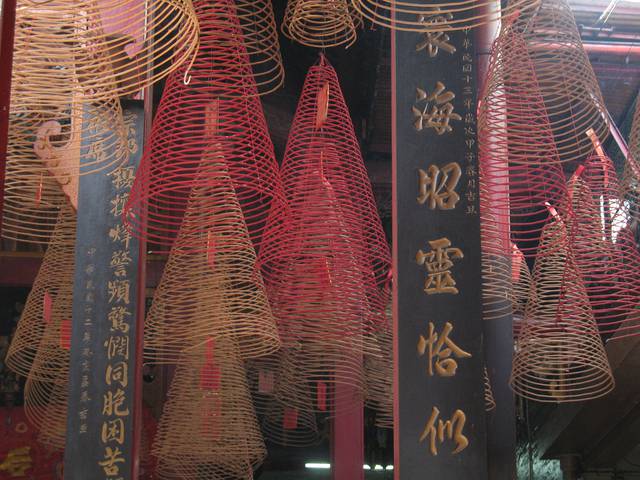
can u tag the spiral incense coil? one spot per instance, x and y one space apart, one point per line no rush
435 17
219 106
49 301
260 37
559 355
489 400
49 147
208 428
607 272
45 404
320 23
627 245
289 417
631 175
379 380
115 48
210 281
572 97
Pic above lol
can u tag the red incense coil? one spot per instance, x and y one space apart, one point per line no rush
572 96
218 107
204 433
631 174
559 355
210 282
49 300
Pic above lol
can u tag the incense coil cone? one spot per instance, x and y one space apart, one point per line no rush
217 108
49 300
210 281
320 23
444 16
559 355
208 428
379 378
45 404
631 173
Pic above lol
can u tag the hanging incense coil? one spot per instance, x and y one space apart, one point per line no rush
435 17
572 97
45 404
115 48
489 399
379 380
219 106
598 214
320 23
260 37
208 428
51 142
631 174
628 247
288 417
210 281
559 355
49 300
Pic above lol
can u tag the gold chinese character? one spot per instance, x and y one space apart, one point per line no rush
438 263
123 178
117 204
117 346
434 181
466 43
130 124
112 403
120 260
117 373
17 462
117 316
112 456
95 152
452 429
120 234
441 348
434 41
113 431
119 291
440 113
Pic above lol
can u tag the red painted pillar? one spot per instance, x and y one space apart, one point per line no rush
348 439
7 27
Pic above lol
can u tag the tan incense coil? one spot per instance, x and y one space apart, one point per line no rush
50 296
631 176
489 400
260 36
45 404
53 141
437 16
572 96
115 48
208 428
320 23
378 371
559 355
288 418
210 282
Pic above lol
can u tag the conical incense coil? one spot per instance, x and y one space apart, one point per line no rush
319 23
559 354
49 146
219 106
288 413
322 141
598 212
630 180
436 17
210 281
489 399
379 380
261 40
50 298
114 48
628 247
45 404
570 89
208 427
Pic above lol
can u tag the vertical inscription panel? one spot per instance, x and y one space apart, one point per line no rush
102 369
439 356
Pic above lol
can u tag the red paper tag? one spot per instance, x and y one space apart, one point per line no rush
47 306
65 334
322 105
265 381
290 420
322 396
516 261
211 117
210 374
